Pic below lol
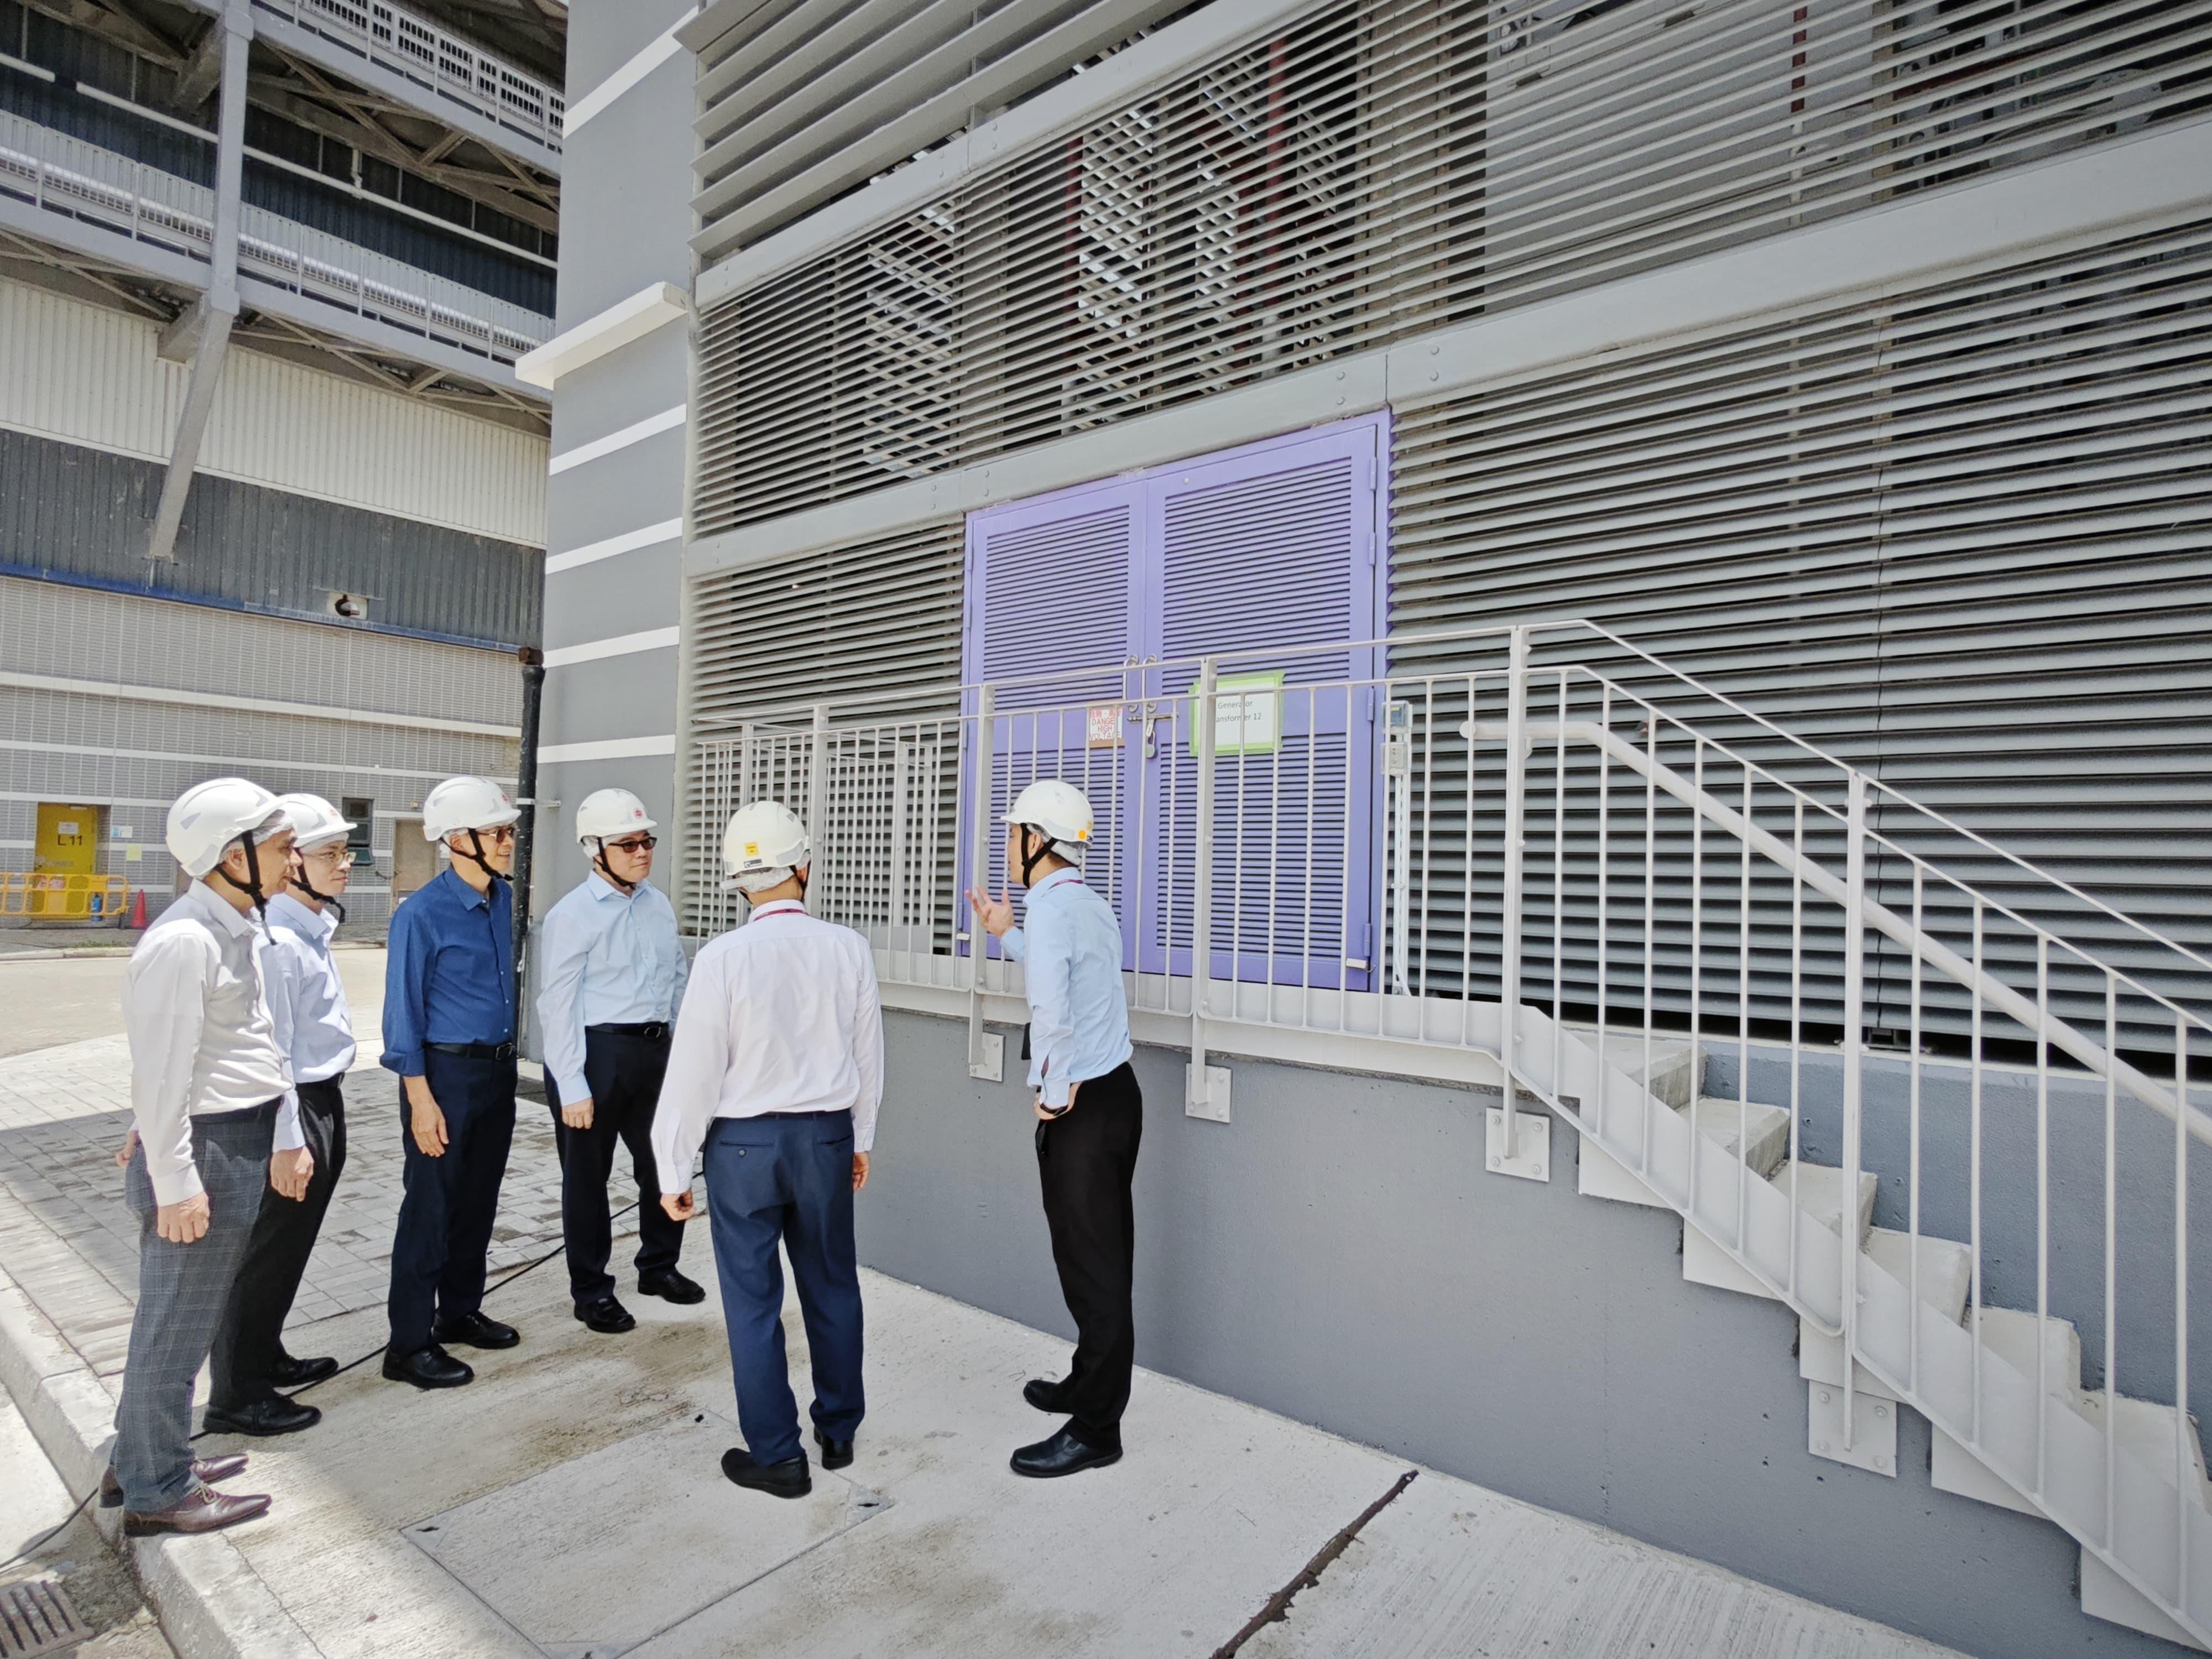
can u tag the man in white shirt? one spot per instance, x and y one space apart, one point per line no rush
314 1030
777 1069
207 1087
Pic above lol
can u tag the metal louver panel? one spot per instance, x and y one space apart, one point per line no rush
1961 538
800 103
1381 168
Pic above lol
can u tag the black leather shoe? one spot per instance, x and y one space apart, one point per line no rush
1062 1455
789 1478
290 1373
835 1453
670 1286
477 1331
607 1316
261 1418
208 1471
1045 1396
427 1368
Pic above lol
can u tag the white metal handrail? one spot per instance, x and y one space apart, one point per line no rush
53 170
412 47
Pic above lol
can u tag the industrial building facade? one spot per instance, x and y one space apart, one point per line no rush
1001 390
271 494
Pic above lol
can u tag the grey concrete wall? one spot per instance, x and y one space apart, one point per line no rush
1338 1255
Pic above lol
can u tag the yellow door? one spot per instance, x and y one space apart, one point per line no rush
69 838
414 860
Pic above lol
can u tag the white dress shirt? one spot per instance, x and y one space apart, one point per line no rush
782 1015
606 958
1071 957
202 1039
306 998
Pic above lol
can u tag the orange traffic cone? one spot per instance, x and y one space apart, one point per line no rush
138 908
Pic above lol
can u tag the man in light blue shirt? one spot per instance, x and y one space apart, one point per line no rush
1091 1117
611 974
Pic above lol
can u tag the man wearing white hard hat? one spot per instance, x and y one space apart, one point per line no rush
214 1126
314 1029
777 1070
449 1033
610 974
1091 1117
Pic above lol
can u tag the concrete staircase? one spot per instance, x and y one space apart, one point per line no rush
1759 1223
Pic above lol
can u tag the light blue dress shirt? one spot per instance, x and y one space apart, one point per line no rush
1070 949
605 958
306 998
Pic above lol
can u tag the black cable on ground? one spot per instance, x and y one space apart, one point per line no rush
50 1533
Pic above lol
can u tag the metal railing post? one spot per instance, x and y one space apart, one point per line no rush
818 774
1854 1045
979 870
1509 993
1201 879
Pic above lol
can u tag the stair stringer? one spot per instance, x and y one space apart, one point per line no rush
1937 1366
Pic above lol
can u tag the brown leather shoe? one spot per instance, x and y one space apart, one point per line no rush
200 1509
208 1471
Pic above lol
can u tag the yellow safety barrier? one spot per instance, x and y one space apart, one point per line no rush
63 898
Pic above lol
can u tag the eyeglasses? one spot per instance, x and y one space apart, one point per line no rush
634 844
505 832
332 856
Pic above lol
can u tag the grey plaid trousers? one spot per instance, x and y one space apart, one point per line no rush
182 1292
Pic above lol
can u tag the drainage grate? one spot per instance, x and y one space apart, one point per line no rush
37 1618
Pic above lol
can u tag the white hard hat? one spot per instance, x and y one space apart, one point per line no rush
207 817
313 820
763 843
465 804
606 813
1057 811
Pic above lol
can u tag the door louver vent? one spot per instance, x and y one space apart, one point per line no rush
1380 168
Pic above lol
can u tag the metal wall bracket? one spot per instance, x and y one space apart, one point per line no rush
988 1061
1530 1155
1874 1430
1214 1108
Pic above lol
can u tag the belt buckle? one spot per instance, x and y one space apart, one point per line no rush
502 1051
655 1029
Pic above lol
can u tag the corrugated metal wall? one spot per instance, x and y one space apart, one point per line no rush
81 514
135 756
88 375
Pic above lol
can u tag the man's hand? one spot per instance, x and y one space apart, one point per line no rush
183 1223
1054 1117
860 1170
578 1116
681 1206
290 1171
995 915
427 1122
123 1152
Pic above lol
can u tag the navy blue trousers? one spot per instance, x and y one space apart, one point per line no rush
446 1217
786 1178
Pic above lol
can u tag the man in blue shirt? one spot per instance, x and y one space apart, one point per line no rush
1091 1117
612 973
449 1033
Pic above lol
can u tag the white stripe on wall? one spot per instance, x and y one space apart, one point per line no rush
652 426
621 645
629 542
659 51
252 705
553 754
242 765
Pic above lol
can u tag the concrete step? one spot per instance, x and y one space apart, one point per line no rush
1820 1194
1767 1128
1947 1273
1678 1066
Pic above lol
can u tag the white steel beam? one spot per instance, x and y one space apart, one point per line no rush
2089 195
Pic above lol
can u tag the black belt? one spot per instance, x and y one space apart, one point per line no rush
653 1030
475 1050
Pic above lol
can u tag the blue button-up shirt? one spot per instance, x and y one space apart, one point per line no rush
605 957
1070 950
306 998
450 974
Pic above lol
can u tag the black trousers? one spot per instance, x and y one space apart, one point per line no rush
1087 1162
446 1216
623 1072
251 1335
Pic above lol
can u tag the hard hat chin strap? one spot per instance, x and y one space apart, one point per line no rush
1032 857
474 855
600 863
337 904
251 885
